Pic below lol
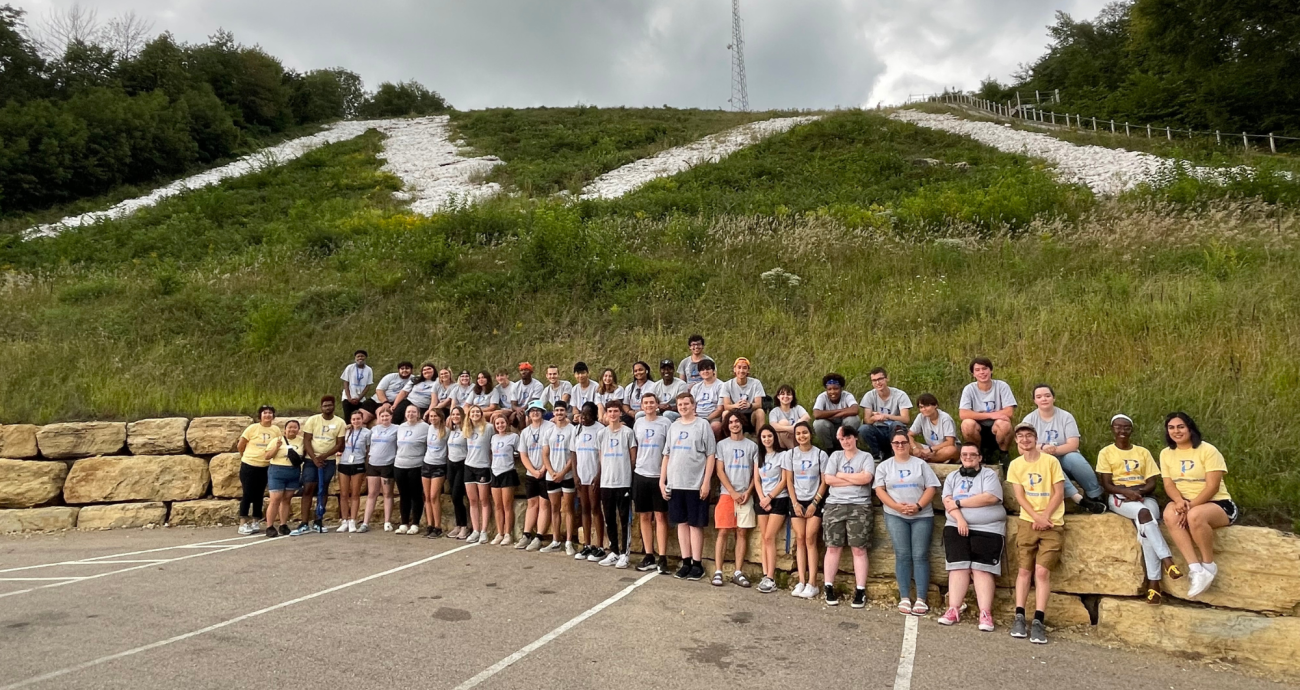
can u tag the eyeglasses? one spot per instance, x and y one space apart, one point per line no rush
899 443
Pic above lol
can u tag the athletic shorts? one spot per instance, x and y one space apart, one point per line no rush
847 524
686 506
780 506
351 470
646 497
1230 508
976 551
478 475
1038 548
534 487
428 471
381 471
282 478
505 480
821 508
724 512
565 485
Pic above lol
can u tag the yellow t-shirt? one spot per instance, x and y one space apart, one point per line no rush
1188 467
324 434
259 437
1038 478
1128 468
281 456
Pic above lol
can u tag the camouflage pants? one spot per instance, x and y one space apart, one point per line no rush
847 525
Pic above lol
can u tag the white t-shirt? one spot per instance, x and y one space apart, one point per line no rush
561 441
991 518
650 437
614 397
391 385
935 432
587 450
998 396
1055 431
632 393
690 448
616 457
708 397
667 393
739 458
580 395
412 442
807 469
503 452
824 403
897 402
905 482
533 440
355 380
523 393
383 445
553 394
485 400
769 475
840 463
752 391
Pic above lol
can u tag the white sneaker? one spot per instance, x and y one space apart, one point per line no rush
622 562
797 590
610 559
1201 580
365 527
343 526
482 537
523 543
550 548
473 538
247 528
496 540
401 529
809 592
388 527
568 548
535 544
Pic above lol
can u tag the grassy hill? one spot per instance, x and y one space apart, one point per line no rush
259 289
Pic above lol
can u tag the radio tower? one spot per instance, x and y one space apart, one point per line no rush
739 91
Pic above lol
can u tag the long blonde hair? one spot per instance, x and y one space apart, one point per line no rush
468 427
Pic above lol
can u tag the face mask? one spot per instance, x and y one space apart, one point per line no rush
969 471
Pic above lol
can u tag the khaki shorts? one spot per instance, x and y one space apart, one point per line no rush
1038 548
847 525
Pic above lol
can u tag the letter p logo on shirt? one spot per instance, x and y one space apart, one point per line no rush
1034 479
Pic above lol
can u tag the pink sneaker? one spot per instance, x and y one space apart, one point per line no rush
986 621
950 617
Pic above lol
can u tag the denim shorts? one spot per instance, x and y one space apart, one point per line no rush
282 478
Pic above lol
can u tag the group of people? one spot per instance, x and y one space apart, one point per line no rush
595 451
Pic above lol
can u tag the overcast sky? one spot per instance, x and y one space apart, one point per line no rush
481 53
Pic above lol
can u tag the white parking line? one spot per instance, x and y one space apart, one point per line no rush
37 579
207 544
903 679
544 639
217 626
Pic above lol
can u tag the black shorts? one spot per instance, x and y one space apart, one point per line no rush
534 487
780 506
351 470
381 471
821 508
505 480
685 505
646 497
428 471
478 475
565 485
1230 509
369 405
978 550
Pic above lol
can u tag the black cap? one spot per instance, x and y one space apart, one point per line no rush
667 363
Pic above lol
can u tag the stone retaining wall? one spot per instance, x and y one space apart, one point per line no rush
176 471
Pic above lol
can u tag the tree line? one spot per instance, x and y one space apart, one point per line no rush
88 106
1227 65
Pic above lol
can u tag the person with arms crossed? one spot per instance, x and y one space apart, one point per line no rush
806 511
322 440
834 408
848 475
884 410
772 482
685 480
689 369
535 453
785 414
743 396
357 378
618 451
560 485
1058 436
906 486
352 471
433 471
252 447
974 533
652 510
1199 502
1039 485
707 394
734 515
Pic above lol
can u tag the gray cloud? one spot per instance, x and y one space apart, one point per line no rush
481 53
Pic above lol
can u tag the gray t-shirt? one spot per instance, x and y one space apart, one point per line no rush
708 397
667 393
435 446
585 446
840 463
824 403
616 457
461 395
769 475
383 445
905 482
897 402
632 393
487 399
689 371
457 446
807 469
523 393
478 447
650 436
391 385
579 395
991 518
1055 431
995 398
503 452
553 394
614 397
534 440
739 458
795 414
412 442
934 432
561 439
421 393
356 446
690 447
751 391
441 392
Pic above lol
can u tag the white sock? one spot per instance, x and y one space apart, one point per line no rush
1077 498
1211 568
1196 567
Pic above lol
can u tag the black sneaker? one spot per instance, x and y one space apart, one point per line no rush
271 532
684 570
596 554
584 554
284 530
832 597
663 566
647 564
697 571
1092 505
859 598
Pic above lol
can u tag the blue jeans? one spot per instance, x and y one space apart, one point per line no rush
321 477
1076 468
911 538
876 438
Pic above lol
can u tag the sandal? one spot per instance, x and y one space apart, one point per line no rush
1155 597
1174 572
717 579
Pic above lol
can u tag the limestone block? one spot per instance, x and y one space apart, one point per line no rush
18 441
1260 642
27 483
38 519
1009 499
136 478
224 469
157 436
1100 556
212 435
120 515
1257 570
81 439
204 512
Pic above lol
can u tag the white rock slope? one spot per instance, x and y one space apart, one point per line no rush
712 148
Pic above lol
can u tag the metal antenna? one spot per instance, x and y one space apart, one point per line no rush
739 91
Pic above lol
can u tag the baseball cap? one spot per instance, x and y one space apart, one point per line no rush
1026 426
525 366
666 363
537 405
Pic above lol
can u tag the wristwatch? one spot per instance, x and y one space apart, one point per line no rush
958 502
